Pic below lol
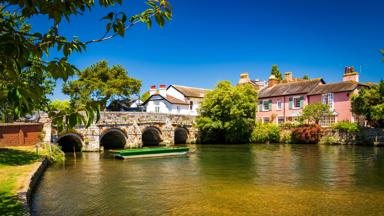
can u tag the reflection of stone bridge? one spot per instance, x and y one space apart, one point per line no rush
128 130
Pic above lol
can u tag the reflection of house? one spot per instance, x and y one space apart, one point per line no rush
283 101
174 99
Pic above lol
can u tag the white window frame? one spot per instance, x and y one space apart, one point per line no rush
280 117
329 99
157 108
279 102
265 102
294 104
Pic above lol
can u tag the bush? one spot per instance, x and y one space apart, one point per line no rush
346 127
330 140
52 152
265 133
307 134
290 125
285 136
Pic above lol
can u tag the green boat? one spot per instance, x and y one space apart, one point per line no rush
151 152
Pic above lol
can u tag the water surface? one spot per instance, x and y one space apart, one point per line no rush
220 180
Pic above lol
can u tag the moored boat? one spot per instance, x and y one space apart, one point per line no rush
151 152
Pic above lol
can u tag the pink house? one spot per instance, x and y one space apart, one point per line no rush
283 101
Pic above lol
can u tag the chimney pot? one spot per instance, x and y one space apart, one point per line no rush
152 90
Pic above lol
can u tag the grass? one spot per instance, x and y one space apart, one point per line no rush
16 163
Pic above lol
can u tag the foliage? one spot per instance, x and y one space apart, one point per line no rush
53 152
290 125
60 105
265 133
275 71
145 96
369 102
27 69
285 136
346 127
307 134
227 114
330 140
306 77
313 113
100 83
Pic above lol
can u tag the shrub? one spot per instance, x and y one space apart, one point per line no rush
285 136
290 125
307 134
265 133
330 140
52 152
346 127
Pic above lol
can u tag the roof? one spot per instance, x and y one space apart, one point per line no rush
168 98
190 91
282 89
336 87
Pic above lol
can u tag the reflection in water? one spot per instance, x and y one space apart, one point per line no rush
220 180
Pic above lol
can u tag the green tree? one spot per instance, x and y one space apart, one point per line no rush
369 102
100 83
313 113
26 53
227 114
275 71
60 105
306 77
145 96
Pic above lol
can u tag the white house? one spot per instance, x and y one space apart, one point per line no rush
175 99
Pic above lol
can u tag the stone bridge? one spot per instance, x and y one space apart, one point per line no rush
127 130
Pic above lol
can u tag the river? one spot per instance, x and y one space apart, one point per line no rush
219 180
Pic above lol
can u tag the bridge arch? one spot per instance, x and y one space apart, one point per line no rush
151 136
70 142
113 138
181 135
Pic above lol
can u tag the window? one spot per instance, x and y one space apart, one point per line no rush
191 105
157 108
280 120
296 103
279 105
178 109
266 105
328 99
266 119
328 120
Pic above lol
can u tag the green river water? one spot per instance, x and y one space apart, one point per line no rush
219 180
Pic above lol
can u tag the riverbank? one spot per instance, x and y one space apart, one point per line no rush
18 166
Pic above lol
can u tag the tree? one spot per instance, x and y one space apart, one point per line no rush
313 113
306 77
227 114
100 83
369 102
145 96
25 64
275 71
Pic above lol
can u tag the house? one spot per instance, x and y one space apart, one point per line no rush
125 105
174 99
283 101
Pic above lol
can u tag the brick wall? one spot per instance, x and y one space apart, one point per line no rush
20 134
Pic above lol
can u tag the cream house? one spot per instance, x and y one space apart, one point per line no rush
174 99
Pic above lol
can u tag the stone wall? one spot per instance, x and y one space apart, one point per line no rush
367 136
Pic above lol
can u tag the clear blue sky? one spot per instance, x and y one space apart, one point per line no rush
212 40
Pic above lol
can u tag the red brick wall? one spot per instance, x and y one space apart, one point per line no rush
19 134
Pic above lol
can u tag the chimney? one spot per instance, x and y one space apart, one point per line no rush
272 81
163 90
152 90
244 78
288 76
350 74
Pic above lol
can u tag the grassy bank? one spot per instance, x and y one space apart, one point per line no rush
16 165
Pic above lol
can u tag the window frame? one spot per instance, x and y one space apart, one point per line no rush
293 102
328 99
263 104
277 104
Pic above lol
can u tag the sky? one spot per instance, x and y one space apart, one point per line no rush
212 40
